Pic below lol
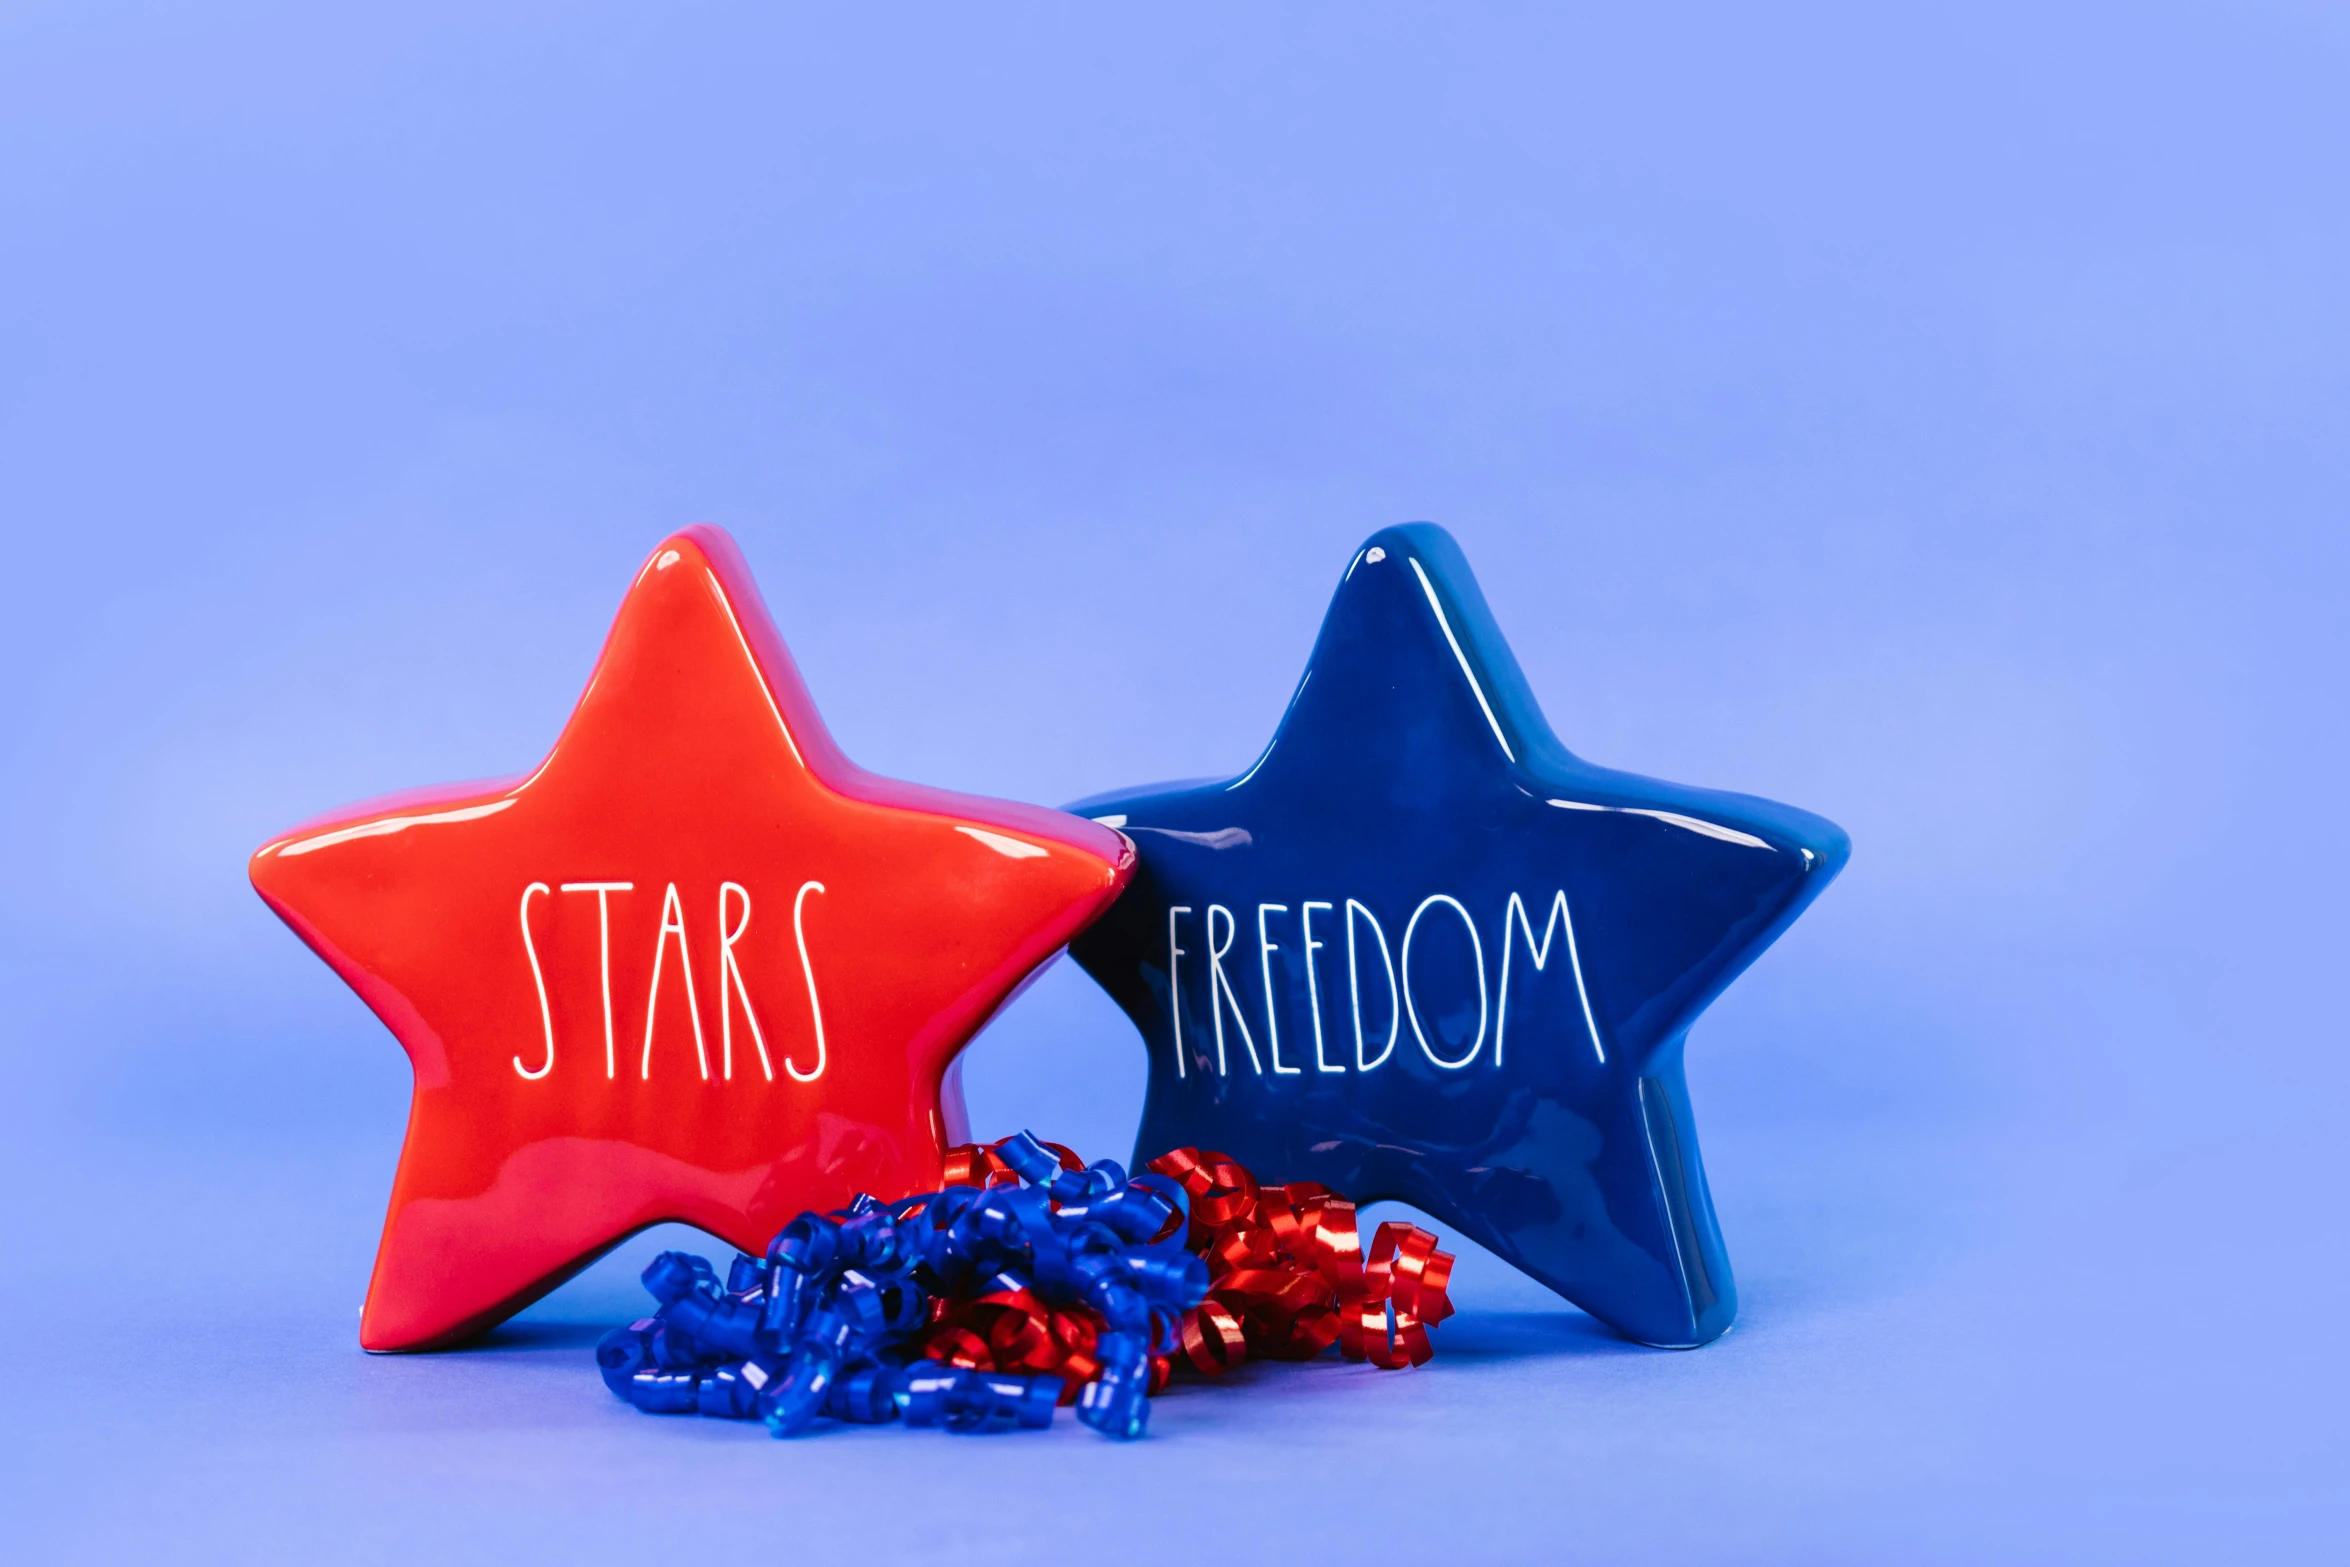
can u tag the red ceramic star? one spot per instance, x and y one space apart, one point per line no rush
697 966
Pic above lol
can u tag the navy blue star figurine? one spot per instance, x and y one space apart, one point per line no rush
1421 951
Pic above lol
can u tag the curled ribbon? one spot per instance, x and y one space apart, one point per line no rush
1031 1279
1288 1278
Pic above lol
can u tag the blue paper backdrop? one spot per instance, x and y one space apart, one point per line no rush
1941 422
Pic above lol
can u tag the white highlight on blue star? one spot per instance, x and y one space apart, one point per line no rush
1675 819
1429 588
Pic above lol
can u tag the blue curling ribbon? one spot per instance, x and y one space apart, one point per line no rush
1166 1328
1029 1159
785 1304
1170 1191
666 1392
796 1397
732 1392
1075 1188
720 1323
623 1352
1176 1279
806 1244
827 1323
865 1396
965 1400
675 1274
673 1350
1117 1403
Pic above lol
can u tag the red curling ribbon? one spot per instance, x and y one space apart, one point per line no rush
1288 1278
1212 1338
955 1345
1419 1273
978 1164
1019 1331
1012 1331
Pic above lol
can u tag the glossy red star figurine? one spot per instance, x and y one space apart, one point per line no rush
697 966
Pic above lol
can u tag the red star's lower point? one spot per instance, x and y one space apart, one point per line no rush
697 966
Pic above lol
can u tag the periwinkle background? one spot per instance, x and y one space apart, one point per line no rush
1939 420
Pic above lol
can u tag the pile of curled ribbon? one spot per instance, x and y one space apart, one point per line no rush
1031 1280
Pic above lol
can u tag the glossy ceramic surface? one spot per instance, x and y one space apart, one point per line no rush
697 966
1421 951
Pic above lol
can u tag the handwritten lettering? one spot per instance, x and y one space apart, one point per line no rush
1221 994
1415 973
735 986
730 973
1354 985
538 978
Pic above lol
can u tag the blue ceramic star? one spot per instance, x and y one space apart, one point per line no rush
1421 951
